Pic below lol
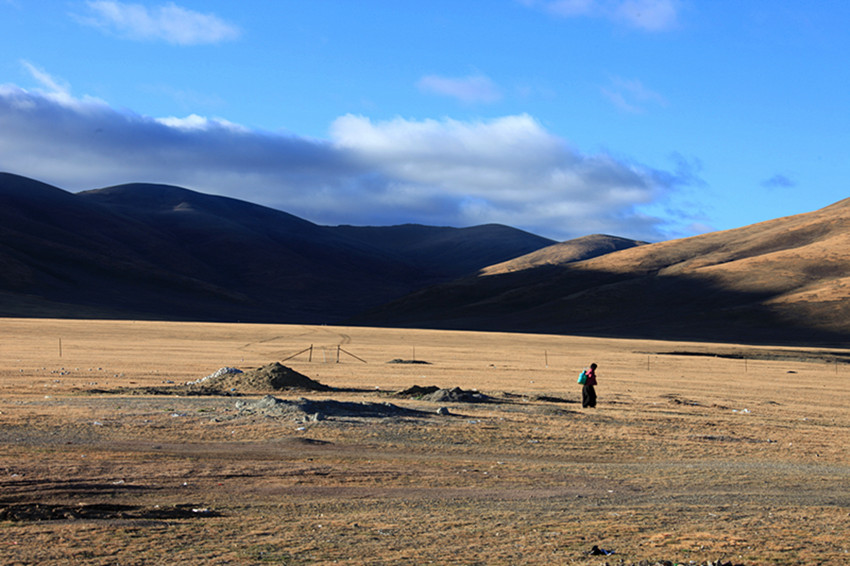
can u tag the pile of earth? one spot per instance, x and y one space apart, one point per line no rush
436 395
271 377
306 410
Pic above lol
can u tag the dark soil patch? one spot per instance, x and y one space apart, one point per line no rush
553 399
771 355
31 512
676 400
726 438
308 410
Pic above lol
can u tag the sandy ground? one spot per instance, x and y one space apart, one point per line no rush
696 452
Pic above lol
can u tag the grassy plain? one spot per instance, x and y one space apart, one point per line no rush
696 452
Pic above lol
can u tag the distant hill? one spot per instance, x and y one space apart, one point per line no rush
781 281
161 252
562 253
164 252
448 252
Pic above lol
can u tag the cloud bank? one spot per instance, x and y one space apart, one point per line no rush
169 22
508 170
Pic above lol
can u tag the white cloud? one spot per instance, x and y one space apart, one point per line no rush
779 181
474 88
508 170
630 95
168 22
570 8
193 122
57 89
648 15
53 85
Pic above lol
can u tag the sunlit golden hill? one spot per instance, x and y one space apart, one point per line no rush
785 280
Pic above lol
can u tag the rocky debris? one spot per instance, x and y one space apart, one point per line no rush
271 377
456 395
216 374
306 410
435 394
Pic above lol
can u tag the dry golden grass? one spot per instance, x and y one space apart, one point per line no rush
687 458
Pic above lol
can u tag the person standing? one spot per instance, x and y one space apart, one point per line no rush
588 390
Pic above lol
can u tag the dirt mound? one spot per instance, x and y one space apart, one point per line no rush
272 377
417 391
437 395
313 411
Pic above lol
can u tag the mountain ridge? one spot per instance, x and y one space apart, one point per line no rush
157 251
163 252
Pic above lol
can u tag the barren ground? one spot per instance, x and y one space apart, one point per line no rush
696 452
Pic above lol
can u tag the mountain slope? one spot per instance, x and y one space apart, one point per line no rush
447 253
60 255
364 264
157 251
286 266
579 249
786 280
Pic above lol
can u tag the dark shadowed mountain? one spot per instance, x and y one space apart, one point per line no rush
447 252
156 251
782 281
162 252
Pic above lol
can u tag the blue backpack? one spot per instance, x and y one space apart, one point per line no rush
582 378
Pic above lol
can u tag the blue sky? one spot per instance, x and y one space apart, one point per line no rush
650 119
